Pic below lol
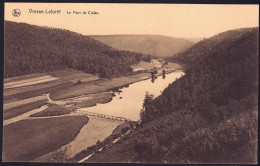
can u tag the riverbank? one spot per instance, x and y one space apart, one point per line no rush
108 84
102 85
118 133
98 86
95 131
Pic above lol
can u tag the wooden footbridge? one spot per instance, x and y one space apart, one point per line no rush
102 115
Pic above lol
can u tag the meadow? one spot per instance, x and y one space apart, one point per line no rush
26 140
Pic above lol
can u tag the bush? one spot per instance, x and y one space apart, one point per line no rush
78 82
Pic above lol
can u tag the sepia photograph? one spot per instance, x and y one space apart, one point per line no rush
130 83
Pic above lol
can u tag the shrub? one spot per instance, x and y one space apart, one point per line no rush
78 82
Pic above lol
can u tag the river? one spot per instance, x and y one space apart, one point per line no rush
129 101
127 104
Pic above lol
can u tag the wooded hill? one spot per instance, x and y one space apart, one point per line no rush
208 46
30 49
155 45
207 116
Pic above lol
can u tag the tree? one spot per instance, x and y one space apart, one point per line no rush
147 107
147 58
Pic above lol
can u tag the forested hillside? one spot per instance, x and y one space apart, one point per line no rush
155 45
207 116
30 49
206 46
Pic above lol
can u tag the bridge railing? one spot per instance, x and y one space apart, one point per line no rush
102 115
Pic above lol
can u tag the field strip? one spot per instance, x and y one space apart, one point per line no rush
29 82
56 116
23 102
23 77
23 116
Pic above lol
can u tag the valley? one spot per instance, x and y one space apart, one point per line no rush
147 99
34 98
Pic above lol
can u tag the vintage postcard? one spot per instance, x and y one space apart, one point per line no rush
130 83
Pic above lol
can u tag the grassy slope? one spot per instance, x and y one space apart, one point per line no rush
155 45
207 116
29 139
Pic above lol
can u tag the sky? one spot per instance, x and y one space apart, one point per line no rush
175 20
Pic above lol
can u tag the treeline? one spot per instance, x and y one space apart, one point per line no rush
30 49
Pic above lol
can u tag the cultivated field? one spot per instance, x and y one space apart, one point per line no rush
13 112
25 137
33 85
28 139
23 102
27 82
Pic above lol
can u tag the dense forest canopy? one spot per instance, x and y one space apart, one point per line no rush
30 49
207 116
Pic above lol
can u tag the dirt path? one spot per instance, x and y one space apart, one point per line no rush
23 116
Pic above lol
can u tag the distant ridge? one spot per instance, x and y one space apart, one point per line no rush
155 45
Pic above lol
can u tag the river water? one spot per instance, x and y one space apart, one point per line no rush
128 103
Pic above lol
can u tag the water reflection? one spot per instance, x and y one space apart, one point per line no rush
153 79
163 72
